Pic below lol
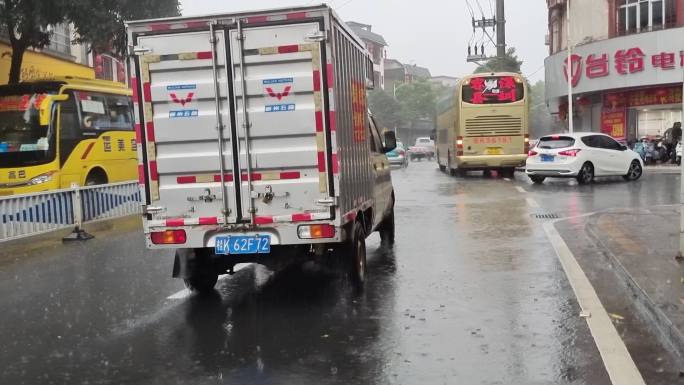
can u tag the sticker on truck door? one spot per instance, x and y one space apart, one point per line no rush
182 95
278 92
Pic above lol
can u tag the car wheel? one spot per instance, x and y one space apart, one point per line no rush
635 171
357 256
387 229
586 174
537 179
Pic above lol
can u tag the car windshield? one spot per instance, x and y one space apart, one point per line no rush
23 141
553 142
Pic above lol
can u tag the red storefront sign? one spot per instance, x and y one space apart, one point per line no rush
614 122
625 62
644 97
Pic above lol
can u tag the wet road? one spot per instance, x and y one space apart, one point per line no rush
472 293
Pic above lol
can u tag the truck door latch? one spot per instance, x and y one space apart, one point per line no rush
139 50
207 198
268 195
316 36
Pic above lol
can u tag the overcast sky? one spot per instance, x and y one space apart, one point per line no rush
430 33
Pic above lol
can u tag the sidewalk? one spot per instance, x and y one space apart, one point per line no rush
663 169
642 244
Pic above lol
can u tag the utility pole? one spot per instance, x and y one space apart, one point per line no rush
569 69
501 29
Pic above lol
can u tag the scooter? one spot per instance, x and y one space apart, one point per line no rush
678 153
650 153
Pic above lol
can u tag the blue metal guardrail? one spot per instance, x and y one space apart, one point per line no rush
31 214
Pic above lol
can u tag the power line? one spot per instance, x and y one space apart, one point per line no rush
480 7
491 9
343 5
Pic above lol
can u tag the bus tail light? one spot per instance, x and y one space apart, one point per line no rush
316 231
527 143
459 146
169 237
572 152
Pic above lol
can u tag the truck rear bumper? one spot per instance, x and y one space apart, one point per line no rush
199 237
476 162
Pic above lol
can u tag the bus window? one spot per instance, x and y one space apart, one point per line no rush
493 90
120 113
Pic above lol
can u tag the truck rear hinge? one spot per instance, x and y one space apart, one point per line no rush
316 36
327 202
153 209
138 50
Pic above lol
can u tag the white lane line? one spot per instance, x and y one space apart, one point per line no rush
520 189
507 179
533 203
616 359
186 293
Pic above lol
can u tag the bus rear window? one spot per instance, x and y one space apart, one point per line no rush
553 142
493 90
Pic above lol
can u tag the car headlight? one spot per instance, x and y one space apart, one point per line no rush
42 178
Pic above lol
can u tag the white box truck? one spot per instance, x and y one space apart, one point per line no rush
255 143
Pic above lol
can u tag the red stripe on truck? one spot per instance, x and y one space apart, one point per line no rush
263 220
208 221
204 55
335 164
195 24
319 121
147 92
331 76
321 161
226 177
333 126
186 179
301 217
175 222
150 132
154 175
257 19
160 27
316 80
136 97
141 174
296 15
138 134
290 175
288 48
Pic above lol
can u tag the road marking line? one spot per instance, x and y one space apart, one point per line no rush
520 189
507 179
533 203
186 293
616 358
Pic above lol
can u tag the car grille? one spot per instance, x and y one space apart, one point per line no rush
493 125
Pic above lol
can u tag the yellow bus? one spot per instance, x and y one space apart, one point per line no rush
483 125
61 131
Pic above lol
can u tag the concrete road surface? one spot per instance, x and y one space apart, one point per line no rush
475 291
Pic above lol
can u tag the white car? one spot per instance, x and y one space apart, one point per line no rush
583 156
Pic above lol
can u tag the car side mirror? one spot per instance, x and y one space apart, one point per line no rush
623 148
390 141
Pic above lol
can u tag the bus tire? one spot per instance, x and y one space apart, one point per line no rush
450 169
95 177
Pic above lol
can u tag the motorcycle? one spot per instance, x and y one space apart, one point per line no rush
649 153
678 153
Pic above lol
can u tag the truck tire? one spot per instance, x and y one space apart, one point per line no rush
201 282
356 248
387 228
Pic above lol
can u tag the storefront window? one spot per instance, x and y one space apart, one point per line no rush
644 15
654 122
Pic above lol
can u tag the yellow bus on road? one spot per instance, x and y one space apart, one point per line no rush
483 125
61 131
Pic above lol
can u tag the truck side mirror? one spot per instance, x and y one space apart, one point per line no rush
390 141
45 110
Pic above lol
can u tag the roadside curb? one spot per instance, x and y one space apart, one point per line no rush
668 333
662 170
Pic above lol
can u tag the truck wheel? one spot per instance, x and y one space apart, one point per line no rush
357 256
387 229
201 282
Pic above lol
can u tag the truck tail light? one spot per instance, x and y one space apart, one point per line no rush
572 152
316 231
169 237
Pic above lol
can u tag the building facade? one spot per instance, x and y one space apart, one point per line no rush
626 66
376 45
60 58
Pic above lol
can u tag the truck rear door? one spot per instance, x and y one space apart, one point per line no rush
180 108
286 143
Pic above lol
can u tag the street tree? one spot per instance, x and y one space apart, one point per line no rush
385 108
508 63
417 101
27 25
100 23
